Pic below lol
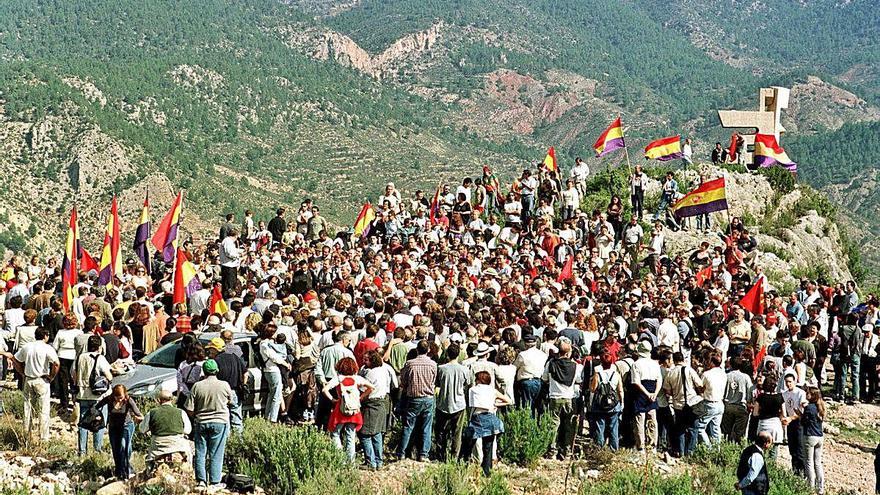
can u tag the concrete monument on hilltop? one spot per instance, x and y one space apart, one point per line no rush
765 120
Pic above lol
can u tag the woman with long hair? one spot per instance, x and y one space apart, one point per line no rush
189 372
811 423
122 414
347 418
275 367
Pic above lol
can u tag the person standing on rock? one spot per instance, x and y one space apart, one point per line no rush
38 363
751 472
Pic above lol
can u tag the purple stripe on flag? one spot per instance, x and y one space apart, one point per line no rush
193 286
105 276
141 244
168 251
694 210
614 144
768 161
665 158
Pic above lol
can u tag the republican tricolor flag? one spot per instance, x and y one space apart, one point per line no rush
709 197
610 140
142 235
364 220
769 153
668 148
217 305
186 281
550 161
111 262
165 238
69 274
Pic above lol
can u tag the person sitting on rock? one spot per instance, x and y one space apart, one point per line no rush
167 426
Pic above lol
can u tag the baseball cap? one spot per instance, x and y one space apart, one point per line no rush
210 367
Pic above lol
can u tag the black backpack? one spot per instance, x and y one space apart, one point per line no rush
605 397
98 383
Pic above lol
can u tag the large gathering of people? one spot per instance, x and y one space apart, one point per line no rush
446 314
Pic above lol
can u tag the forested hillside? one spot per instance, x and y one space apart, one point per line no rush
331 99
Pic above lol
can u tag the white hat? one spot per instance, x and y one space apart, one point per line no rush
644 349
482 349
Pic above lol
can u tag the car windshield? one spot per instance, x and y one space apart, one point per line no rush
163 357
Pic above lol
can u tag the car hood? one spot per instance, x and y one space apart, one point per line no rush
145 379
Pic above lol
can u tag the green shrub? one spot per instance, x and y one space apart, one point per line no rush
95 465
633 480
780 180
342 481
525 439
453 478
12 434
279 458
13 403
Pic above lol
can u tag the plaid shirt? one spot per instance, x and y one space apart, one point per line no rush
418 376
184 324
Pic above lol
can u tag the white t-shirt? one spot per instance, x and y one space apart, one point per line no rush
482 397
38 358
714 384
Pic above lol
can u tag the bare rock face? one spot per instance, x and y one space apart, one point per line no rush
816 104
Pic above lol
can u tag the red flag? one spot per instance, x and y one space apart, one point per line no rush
759 358
753 301
567 272
86 262
731 153
703 275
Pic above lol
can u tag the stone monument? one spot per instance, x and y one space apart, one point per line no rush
766 120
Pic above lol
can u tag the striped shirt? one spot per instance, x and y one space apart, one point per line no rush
418 376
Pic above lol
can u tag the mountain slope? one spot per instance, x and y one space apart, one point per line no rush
331 99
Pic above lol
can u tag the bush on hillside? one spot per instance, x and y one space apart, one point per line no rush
341 481
453 478
525 438
781 180
282 459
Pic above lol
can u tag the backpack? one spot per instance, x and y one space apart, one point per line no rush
98 383
605 397
92 420
349 397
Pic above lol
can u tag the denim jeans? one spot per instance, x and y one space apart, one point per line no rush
850 369
605 427
685 435
210 440
273 405
703 222
796 446
813 463
343 436
417 411
528 395
528 204
120 443
373 449
709 423
236 421
97 437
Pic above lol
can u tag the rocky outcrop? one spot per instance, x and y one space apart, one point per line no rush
816 104
811 244
344 50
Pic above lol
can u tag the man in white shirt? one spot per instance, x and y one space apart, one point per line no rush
687 153
230 260
714 383
38 363
647 380
668 334
530 365
579 175
681 383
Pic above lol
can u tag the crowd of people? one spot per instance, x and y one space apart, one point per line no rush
444 316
